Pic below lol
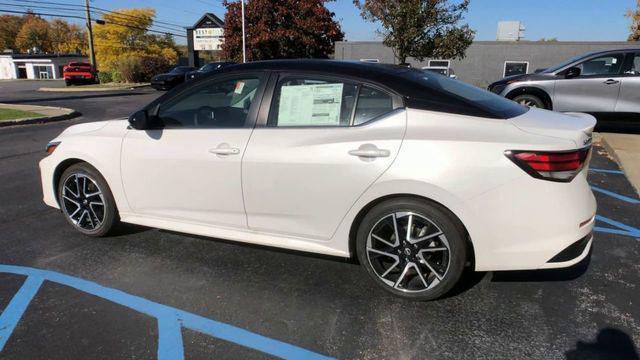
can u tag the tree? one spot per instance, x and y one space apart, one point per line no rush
67 38
10 26
634 15
34 33
280 29
123 42
420 28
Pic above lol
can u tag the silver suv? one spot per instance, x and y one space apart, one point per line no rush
599 83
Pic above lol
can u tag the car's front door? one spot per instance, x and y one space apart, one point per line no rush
629 99
190 168
596 89
315 151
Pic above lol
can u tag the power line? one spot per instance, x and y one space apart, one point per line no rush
41 14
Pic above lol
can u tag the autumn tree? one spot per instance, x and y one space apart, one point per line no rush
10 26
420 28
34 33
278 29
634 15
67 38
124 43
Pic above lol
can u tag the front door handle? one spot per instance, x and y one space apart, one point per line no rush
611 82
225 149
370 152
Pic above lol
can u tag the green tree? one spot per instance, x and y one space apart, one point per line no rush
10 26
634 29
420 28
67 38
34 33
277 29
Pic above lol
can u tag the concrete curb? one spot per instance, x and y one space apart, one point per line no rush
65 115
80 89
624 158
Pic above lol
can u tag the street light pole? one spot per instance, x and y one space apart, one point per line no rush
244 49
92 54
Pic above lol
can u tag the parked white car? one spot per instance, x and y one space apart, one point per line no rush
415 174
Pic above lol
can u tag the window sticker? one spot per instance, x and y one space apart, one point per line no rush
239 87
310 105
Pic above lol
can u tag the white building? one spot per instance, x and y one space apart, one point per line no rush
38 66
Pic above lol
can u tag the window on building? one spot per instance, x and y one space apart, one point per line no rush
43 71
441 63
512 68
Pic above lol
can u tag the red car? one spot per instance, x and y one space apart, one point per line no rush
78 72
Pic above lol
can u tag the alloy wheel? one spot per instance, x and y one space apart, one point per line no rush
83 201
528 103
408 252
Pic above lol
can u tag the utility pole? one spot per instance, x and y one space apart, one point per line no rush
244 49
92 54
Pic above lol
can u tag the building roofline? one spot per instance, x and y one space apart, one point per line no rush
41 56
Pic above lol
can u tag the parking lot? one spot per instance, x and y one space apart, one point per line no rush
146 292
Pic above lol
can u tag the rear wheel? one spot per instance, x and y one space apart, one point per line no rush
67 82
86 200
529 100
412 248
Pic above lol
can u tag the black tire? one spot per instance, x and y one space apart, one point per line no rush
109 214
442 220
68 82
530 101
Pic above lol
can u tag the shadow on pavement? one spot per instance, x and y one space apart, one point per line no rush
610 343
72 97
564 274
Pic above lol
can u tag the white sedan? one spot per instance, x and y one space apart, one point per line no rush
415 174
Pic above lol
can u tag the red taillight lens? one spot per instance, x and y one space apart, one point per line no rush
555 166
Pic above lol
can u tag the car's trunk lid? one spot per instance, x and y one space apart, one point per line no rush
577 127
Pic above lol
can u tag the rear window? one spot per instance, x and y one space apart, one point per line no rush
462 98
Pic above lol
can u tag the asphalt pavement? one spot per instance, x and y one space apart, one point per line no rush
254 297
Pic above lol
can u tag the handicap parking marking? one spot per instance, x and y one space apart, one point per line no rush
606 171
622 229
170 320
615 195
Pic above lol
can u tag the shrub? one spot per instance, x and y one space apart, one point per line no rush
151 65
129 69
105 77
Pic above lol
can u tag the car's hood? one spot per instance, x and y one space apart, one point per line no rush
164 77
577 127
523 77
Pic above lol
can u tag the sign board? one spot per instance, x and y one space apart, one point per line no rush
208 38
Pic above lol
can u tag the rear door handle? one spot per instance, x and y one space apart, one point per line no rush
611 82
370 153
225 150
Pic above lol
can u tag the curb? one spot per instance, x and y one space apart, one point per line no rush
80 89
41 120
616 157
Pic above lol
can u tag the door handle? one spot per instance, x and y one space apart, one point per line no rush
611 82
370 153
225 151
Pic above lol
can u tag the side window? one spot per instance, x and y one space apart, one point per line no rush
371 104
605 65
216 104
634 65
312 102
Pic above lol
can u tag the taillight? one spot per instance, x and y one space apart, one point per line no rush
560 166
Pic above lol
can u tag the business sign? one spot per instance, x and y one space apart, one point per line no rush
208 38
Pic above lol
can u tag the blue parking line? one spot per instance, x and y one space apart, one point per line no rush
170 320
615 195
13 312
606 171
622 229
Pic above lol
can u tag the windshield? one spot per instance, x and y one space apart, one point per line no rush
439 71
209 67
180 70
564 64
470 95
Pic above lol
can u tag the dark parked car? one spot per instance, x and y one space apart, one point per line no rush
208 68
171 79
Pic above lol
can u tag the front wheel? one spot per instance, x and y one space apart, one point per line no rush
412 248
86 200
531 101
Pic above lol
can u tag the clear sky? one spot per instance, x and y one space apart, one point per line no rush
563 19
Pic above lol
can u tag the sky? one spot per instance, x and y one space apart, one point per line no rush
567 20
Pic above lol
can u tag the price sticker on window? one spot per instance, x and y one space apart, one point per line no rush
239 87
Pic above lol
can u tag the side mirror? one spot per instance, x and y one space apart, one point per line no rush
573 72
140 120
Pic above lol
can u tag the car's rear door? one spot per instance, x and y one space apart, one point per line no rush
595 90
190 169
629 99
319 143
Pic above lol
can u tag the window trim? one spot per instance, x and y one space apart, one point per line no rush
504 68
268 97
250 121
440 60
